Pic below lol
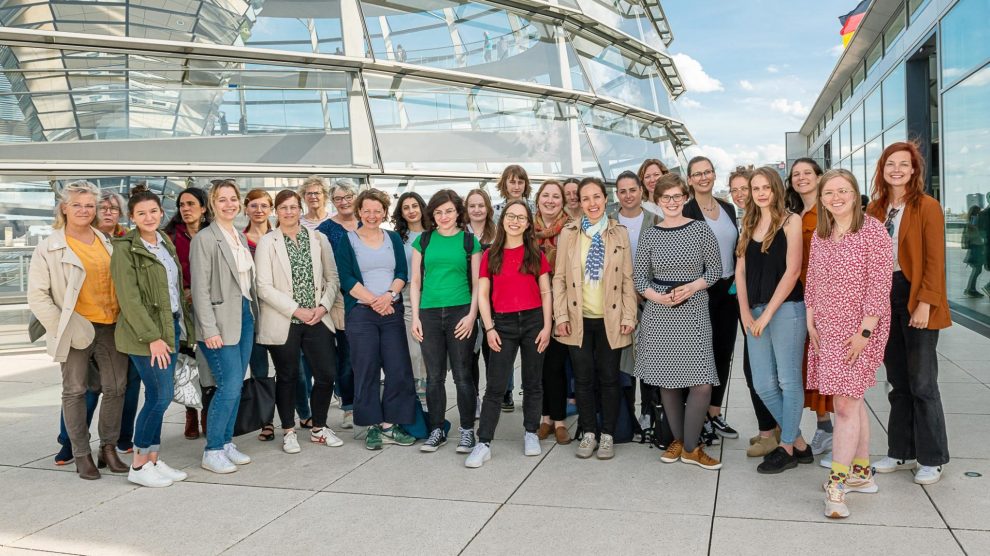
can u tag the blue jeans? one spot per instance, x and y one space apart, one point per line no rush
344 387
131 398
229 364
159 388
775 358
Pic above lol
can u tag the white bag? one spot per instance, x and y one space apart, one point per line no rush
187 389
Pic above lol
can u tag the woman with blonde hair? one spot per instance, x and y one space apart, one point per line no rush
649 172
314 191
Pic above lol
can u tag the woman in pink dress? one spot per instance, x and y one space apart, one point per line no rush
848 307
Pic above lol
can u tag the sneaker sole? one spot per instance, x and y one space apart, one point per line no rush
218 471
727 434
585 456
910 467
392 442
484 460
429 448
674 459
337 444
373 448
296 451
836 514
918 481
701 465
764 471
465 449
606 456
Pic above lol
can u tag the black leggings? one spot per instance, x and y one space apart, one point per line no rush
555 381
316 342
723 309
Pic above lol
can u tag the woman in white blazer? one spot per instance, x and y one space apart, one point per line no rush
297 288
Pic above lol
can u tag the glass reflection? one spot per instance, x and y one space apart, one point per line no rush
893 96
622 143
627 16
614 74
965 38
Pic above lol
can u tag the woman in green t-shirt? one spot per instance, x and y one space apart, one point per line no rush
444 278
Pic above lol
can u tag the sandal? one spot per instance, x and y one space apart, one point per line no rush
267 433
306 423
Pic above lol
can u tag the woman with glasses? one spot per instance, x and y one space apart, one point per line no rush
848 298
677 262
314 192
767 439
649 172
771 303
108 218
71 292
723 308
409 221
916 439
594 306
297 287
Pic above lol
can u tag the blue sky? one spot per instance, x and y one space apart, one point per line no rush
752 68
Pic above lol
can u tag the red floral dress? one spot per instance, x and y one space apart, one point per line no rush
847 280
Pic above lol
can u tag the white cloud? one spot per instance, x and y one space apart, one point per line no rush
745 84
726 160
785 106
773 69
836 50
685 102
695 78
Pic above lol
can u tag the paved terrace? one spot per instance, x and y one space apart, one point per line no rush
399 501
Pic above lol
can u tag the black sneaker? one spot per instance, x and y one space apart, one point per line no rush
508 405
806 456
777 461
437 438
708 436
722 428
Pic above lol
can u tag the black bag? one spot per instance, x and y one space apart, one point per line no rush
257 407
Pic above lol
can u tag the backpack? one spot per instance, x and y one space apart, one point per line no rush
424 241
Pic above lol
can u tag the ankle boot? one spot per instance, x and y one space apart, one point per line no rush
86 468
108 458
192 424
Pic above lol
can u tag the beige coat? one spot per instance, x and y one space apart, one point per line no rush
568 282
275 284
54 280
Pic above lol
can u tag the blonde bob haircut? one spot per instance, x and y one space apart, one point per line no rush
80 187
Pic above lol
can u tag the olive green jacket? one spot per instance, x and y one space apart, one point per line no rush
142 292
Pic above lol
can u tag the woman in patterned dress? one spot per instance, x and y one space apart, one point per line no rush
847 296
676 262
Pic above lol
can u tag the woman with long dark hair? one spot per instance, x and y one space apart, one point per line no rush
409 221
919 305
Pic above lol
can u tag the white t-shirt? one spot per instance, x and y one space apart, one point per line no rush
634 225
897 230
727 235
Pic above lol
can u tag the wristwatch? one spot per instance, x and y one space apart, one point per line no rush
395 295
866 333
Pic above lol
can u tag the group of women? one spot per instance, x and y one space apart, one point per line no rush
824 291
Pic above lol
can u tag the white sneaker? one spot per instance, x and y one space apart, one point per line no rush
348 422
928 474
479 455
234 455
826 461
325 436
531 444
889 464
217 462
290 443
147 476
821 442
169 473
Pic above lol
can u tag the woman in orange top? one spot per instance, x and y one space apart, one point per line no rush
803 199
919 309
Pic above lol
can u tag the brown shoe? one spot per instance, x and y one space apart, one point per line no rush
563 437
544 431
192 424
108 458
700 458
673 452
761 447
86 468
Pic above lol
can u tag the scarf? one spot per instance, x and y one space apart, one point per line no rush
596 254
546 235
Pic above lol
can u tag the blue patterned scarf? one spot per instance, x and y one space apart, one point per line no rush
596 254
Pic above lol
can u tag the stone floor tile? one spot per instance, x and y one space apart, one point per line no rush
975 543
963 500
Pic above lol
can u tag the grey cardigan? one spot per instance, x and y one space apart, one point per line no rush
216 292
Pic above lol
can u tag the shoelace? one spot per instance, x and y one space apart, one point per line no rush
587 441
435 437
467 437
836 493
606 443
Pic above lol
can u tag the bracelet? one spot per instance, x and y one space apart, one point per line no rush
487 330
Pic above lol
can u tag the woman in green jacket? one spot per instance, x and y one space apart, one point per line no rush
148 279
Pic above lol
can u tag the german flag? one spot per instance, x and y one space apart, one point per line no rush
851 20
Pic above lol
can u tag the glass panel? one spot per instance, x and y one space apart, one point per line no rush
966 162
427 187
836 147
859 170
893 30
856 128
614 74
846 92
874 56
474 130
965 38
844 149
872 153
857 78
622 143
209 111
893 96
895 133
913 6
627 16
873 114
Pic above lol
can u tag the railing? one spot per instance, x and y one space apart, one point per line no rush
14 263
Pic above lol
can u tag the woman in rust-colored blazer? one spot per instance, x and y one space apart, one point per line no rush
919 309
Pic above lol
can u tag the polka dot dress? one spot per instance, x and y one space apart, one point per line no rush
674 347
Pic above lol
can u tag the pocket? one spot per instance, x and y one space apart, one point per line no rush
81 332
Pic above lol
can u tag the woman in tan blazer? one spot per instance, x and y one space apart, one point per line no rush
594 307
919 309
297 288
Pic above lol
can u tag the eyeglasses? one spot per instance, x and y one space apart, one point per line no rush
516 217
312 194
735 190
110 209
76 207
672 198
699 175
345 198
889 224
843 192
259 206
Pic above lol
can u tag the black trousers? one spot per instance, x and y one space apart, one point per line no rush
518 332
555 381
916 427
316 343
439 344
595 361
723 309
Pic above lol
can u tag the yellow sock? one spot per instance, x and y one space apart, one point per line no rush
839 473
860 466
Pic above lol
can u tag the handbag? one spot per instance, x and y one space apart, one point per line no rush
420 427
36 330
257 405
187 389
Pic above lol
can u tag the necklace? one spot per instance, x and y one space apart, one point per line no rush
712 207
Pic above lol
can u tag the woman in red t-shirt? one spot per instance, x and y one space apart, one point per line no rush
516 313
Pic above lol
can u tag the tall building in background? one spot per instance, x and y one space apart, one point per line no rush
918 70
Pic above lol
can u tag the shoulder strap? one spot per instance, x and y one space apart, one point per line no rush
424 240
468 248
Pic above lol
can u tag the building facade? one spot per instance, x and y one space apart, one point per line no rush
918 70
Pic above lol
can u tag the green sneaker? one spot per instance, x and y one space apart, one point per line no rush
396 435
374 439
